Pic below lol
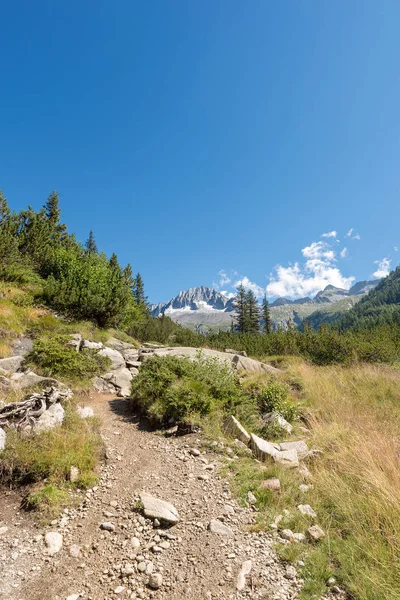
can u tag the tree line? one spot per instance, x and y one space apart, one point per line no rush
251 318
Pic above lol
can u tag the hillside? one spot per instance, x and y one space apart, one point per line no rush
380 306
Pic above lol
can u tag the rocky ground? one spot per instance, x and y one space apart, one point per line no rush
106 549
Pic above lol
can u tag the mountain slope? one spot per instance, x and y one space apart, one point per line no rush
381 305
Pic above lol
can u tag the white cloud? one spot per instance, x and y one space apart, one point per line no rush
383 269
330 234
224 279
395 248
227 294
250 285
343 253
349 233
318 271
356 237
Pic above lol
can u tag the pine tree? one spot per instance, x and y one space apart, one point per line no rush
91 245
252 313
128 274
114 264
240 307
4 208
53 215
266 313
138 291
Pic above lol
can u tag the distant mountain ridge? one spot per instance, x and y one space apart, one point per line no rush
208 309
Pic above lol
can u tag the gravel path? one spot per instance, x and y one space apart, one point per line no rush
187 560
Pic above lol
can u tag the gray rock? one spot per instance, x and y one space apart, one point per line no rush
287 458
315 533
232 426
11 364
3 530
29 379
300 447
5 384
287 534
217 527
299 537
121 379
107 526
262 449
75 341
155 581
3 437
117 360
53 541
241 578
103 386
251 499
275 419
22 346
307 511
154 508
75 551
131 355
119 345
92 345
74 474
291 572
194 451
84 411
52 417
273 484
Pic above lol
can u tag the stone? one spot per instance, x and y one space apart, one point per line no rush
92 345
53 541
262 449
239 352
3 437
74 474
300 447
121 379
287 534
303 488
85 411
305 473
275 419
11 364
119 589
249 365
74 597
74 551
3 530
117 360
287 458
217 527
251 499
102 385
5 384
155 580
241 578
29 379
133 364
154 508
232 426
331 582
107 526
131 355
315 533
291 572
273 484
194 452
307 511
52 417
119 345
75 341
299 537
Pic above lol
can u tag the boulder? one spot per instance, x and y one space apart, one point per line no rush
54 542
217 527
29 379
121 379
119 345
307 511
52 417
244 571
232 426
5 385
287 458
275 419
11 364
300 447
133 364
262 449
74 474
92 345
75 341
134 371
154 508
85 411
22 346
117 360
242 363
103 386
239 352
3 437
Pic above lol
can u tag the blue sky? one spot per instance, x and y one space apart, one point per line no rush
204 138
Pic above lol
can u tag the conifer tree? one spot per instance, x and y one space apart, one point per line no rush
266 313
4 208
252 313
53 215
240 307
128 274
138 291
91 245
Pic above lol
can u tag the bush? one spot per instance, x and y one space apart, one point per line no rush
55 358
274 398
171 388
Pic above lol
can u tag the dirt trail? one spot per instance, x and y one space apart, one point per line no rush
194 562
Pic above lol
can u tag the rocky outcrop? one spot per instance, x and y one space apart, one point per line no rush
117 360
11 364
234 428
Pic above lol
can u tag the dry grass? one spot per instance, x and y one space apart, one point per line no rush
353 417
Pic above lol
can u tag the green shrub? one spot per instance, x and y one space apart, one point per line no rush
55 358
274 398
170 388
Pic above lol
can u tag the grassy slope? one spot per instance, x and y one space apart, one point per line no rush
353 416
